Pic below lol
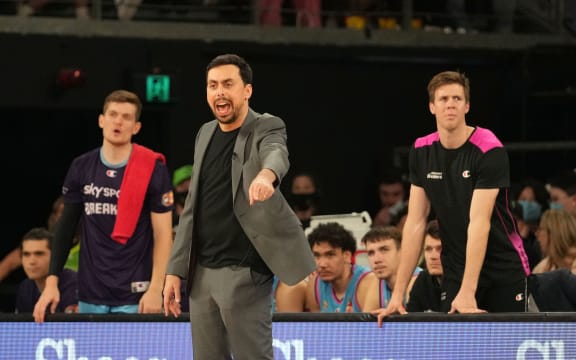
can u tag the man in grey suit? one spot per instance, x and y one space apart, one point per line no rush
236 229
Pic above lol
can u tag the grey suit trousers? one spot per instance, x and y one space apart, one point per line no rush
231 314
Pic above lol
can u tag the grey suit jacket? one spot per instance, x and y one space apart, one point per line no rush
271 225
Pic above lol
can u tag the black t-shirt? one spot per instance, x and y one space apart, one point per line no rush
449 178
425 293
221 239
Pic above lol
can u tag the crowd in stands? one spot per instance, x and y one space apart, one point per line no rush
447 16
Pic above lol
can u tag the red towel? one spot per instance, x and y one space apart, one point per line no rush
133 191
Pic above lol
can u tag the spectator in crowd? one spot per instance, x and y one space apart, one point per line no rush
392 196
553 290
462 172
557 237
237 229
533 197
562 189
552 285
530 201
383 248
11 264
35 248
426 292
121 191
304 197
337 285
528 234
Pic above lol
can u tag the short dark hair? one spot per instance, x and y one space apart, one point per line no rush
123 96
541 195
392 175
378 233
433 229
566 181
335 234
447 78
38 233
232 59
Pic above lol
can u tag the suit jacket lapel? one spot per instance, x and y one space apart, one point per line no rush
239 149
201 147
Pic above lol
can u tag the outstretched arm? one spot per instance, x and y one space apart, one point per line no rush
262 187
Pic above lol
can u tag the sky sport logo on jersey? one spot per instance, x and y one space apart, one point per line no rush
100 191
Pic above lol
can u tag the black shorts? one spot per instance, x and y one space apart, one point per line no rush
511 297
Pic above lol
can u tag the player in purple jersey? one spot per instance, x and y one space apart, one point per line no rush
462 174
122 194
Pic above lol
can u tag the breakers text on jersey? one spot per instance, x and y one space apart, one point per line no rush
96 208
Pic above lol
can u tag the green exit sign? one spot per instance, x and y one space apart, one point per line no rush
158 88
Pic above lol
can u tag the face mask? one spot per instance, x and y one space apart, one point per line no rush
556 206
302 202
531 210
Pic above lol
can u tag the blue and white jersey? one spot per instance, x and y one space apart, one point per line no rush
328 300
386 292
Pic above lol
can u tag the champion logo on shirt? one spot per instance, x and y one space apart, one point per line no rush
466 174
111 173
436 175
